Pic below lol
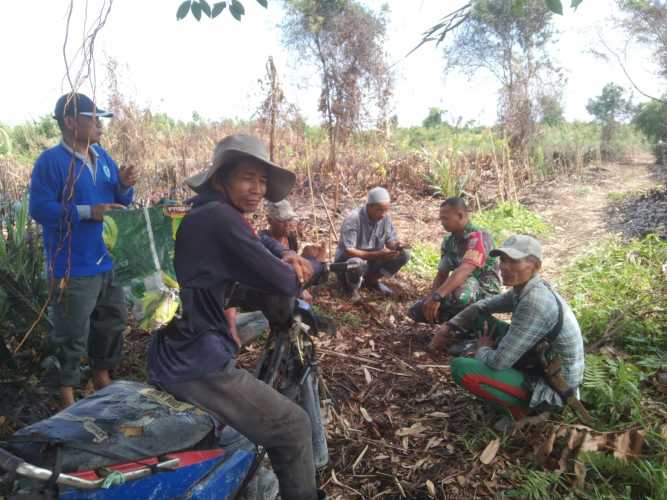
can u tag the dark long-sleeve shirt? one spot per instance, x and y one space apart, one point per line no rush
215 247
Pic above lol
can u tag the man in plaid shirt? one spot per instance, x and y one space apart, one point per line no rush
490 374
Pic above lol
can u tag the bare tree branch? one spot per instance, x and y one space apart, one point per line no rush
625 70
446 25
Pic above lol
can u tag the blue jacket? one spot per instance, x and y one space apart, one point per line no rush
72 241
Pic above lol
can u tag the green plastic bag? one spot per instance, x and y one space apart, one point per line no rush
141 243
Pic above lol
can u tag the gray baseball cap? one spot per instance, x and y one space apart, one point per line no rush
281 211
518 247
239 146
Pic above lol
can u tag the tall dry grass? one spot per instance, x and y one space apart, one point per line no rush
441 160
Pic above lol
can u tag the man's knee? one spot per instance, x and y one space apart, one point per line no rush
404 257
460 367
400 260
297 427
391 267
357 267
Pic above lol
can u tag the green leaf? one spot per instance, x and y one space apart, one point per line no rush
218 8
555 6
183 10
518 6
576 3
265 3
237 10
196 10
205 7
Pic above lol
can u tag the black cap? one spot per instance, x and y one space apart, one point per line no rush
78 104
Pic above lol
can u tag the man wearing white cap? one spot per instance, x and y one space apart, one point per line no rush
502 370
369 242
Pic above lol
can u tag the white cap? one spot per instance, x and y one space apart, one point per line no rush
378 195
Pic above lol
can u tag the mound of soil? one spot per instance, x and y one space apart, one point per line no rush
638 216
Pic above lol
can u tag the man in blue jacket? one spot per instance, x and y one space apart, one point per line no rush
73 185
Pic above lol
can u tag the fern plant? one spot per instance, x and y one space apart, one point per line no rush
611 389
614 478
537 485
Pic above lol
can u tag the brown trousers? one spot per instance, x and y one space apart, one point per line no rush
265 417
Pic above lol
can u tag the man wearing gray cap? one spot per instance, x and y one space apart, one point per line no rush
503 369
369 242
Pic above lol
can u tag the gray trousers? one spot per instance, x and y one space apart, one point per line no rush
374 268
88 319
265 417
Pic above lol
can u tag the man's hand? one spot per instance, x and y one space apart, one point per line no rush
302 267
128 176
97 211
486 340
316 252
306 295
398 245
442 338
388 254
430 309
230 316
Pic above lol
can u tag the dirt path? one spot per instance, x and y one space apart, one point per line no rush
578 209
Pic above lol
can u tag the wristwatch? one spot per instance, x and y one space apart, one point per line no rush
436 297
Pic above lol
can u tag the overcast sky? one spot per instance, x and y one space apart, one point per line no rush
213 67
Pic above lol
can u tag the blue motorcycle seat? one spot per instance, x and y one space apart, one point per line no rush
123 422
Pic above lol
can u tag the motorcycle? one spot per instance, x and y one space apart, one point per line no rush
130 440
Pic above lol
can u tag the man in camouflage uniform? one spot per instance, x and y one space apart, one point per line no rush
466 272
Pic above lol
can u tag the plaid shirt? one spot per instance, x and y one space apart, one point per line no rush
534 314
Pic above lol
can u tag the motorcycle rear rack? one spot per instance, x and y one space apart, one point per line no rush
11 463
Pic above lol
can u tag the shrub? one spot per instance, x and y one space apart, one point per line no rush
509 218
621 286
424 260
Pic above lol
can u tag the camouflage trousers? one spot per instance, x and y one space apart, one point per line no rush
468 293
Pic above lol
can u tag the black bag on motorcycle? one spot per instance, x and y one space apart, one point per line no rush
124 422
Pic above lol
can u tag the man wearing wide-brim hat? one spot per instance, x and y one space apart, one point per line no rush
194 357
499 371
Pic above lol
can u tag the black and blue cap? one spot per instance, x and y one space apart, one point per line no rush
78 104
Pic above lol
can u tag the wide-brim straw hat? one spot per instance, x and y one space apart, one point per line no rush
240 146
